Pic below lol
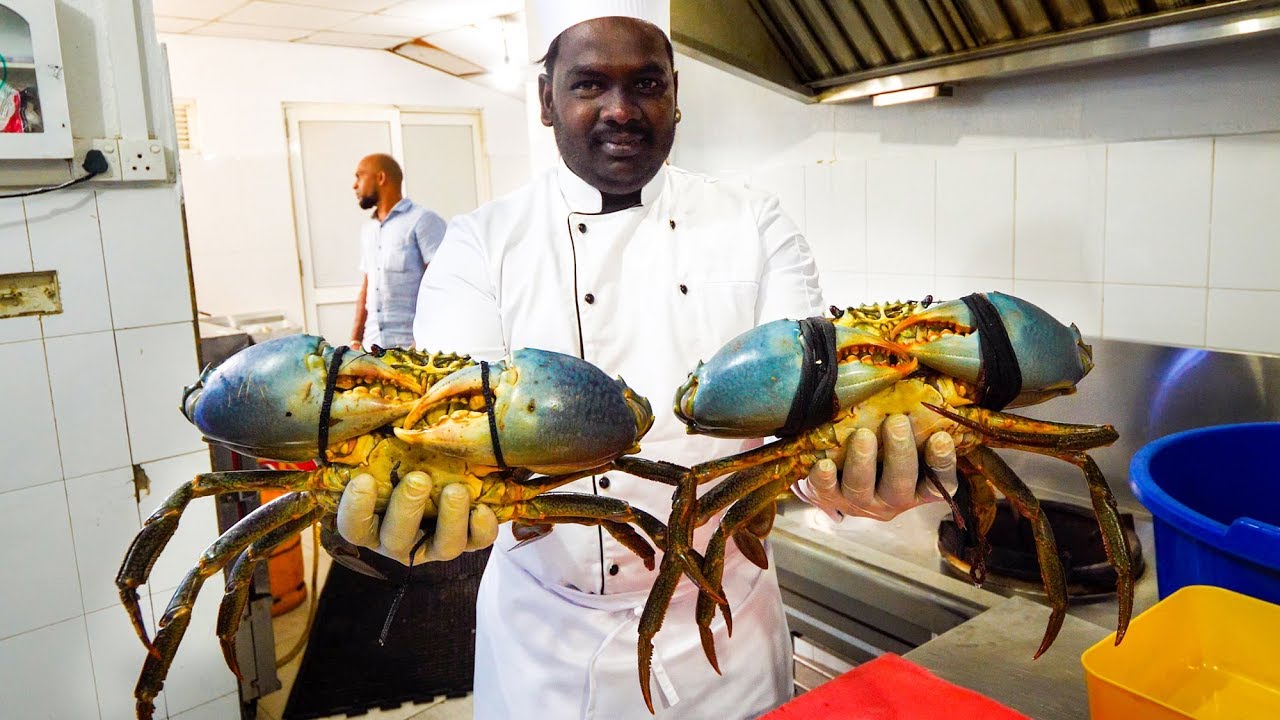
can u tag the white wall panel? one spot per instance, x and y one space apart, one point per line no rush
975 214
890 287
196 530
843 289
146 256
27 431
1060 213
836 215
787 183
900 215
224 707
1069 302
1246 213
47 674
104 520
155 364
1173 315
64 237
87 403
117 656
15 257
1244 320
1158 212
953 287
40 585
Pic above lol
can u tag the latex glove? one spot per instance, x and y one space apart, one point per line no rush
856 491
459 525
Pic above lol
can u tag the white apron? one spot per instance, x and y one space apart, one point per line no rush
643 293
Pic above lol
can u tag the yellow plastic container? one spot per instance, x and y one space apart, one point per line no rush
1203 652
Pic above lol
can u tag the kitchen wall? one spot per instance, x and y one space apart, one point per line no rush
90 403
239 199
1136 198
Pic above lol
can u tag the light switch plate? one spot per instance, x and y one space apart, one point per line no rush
142 160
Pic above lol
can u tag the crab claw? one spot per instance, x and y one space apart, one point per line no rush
265 400
747 388
553 414
1051 356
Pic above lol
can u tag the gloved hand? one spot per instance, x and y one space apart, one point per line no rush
856 490
460 526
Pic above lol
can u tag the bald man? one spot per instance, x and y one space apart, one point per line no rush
396 243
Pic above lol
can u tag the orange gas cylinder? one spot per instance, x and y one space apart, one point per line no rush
286 569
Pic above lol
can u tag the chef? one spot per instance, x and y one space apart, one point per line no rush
642 269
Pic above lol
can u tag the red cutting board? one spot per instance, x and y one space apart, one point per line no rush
890 688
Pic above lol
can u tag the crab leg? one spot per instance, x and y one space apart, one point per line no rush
177 616
1066 442
981 501
237 590
611 513
741 520
1026 433
1011 486
159 528
1104 507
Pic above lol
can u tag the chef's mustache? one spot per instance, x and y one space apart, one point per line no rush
611 131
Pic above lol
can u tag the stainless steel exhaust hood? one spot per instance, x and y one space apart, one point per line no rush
847 50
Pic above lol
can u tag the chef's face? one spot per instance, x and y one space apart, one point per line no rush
366 185
611 98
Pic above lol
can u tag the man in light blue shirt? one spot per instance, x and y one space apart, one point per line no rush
396 244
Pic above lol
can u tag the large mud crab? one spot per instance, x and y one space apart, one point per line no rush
952 366
509 431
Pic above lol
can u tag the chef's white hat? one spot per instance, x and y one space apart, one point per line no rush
546 19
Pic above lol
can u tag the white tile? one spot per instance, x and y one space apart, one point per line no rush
1071 303
40 585
975 214
65 238
146 254
250 32
355 40
27 431
227 706
156 363
1234 320
835 215
1158 212
47 673
787 183
87 403
199 673
197 529
118 656
884 287
291 16
952 287
15 257
843 289
203 9
1060 211
177 25
1165 315
900 215
1244 253
104 520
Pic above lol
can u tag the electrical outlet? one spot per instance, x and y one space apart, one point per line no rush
111 151
142 160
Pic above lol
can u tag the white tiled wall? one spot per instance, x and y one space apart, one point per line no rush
1106 195
90 394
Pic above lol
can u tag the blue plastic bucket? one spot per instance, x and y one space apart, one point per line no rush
1214 494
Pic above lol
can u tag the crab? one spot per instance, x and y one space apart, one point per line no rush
510 432
950 367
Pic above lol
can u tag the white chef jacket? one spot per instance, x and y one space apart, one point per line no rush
644 293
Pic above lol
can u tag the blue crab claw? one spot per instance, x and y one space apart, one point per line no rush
554 414
265 400
747 387
1051 356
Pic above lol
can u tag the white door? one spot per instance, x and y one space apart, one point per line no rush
442 155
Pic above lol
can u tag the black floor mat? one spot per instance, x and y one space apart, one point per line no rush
430 649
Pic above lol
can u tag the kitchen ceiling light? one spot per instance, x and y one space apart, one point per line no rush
928 92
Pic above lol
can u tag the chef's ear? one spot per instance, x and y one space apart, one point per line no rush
544 99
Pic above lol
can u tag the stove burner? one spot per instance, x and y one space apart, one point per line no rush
1013 564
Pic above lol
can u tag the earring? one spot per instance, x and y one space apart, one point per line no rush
679 115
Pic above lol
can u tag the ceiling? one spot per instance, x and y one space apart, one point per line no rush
475 39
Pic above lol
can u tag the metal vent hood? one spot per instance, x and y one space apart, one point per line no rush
847 50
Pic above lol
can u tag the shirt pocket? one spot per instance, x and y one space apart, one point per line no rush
397 258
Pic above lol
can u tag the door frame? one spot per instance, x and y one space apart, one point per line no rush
393 115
